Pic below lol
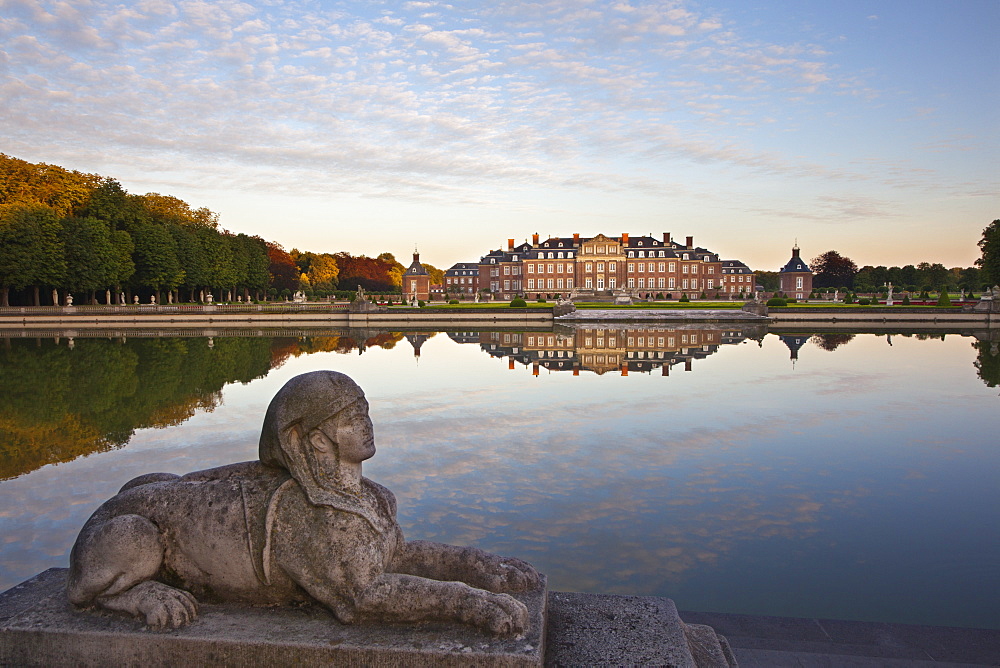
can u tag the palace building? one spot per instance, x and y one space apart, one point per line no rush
639 266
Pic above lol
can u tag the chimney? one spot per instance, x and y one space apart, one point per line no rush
666 238
624 238
510 244
534 239
576 238
510 363
690 243
576 370
624 368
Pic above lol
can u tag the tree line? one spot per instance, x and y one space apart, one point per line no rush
64 232
834 270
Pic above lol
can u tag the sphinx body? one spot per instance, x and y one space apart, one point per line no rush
300 525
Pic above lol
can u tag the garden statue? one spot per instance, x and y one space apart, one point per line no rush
69 299
299 525
135 299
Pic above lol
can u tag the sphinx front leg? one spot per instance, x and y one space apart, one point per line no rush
471 565
112 566
395 597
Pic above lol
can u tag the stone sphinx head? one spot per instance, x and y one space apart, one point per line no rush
317 427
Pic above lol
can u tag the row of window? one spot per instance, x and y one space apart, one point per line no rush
549 267
660 341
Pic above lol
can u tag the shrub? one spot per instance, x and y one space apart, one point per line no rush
702 295
906 300
943 300
452 301
541 301
670 295
864 301
420 303
776 301
684 297
517 302
791 300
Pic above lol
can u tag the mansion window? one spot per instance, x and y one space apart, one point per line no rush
673 266
711 284
694 269
559 283
798 282
549 284
684 269
506 270
551 267
612 266
672 282
569 282
612 283
588 284
559 268
590 266
662 267
600 250
631 282
711 270
660 282
642 266
531 284
642 282
631 267
600 283
600 266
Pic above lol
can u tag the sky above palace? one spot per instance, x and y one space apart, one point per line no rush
866 127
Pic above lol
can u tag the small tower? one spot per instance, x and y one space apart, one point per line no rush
795 279
416 280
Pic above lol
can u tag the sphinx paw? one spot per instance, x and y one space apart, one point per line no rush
503 615
160 605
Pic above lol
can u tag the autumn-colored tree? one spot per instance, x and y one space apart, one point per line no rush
284 274
437 275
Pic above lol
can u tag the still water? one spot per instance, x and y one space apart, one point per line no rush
850 476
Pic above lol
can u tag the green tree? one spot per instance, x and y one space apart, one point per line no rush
989 261
933 275
768 280
31 250
90 254
156 263
833 269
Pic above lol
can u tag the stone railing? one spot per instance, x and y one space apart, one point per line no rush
168 309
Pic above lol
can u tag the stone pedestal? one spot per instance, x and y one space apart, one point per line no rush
39 627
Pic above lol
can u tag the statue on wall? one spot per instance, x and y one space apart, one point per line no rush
299 525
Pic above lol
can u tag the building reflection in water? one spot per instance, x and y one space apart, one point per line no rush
609 348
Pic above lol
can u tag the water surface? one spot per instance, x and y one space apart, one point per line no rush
837 475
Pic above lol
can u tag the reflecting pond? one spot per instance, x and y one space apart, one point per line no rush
791 473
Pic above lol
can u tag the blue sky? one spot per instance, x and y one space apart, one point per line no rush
866 127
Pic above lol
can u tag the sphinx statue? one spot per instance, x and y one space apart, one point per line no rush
300 525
